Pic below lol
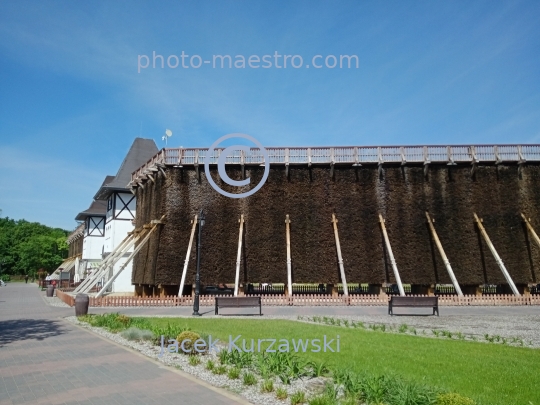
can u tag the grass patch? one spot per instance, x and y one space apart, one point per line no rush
490 374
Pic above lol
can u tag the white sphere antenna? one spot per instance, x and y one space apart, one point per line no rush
168 134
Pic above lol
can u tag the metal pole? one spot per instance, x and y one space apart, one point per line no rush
239 255
391 256
289 270
340 259
443 255
180 291
497 257
198 277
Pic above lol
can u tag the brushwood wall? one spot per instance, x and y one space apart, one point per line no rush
309 195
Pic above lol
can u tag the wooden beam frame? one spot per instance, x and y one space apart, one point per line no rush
289 264
188 254
128 260
443 255
239 255
496 256
340 259
531 229
391 256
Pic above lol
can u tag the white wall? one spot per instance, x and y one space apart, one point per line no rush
116 230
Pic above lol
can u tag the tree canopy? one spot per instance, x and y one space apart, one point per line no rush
26 247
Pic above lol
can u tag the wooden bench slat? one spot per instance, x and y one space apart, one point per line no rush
413 302
238 302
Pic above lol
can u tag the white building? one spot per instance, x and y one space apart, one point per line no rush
120 209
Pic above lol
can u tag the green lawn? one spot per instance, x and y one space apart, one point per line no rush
491 374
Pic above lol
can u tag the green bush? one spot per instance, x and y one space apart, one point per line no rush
298 397
281 393
5 277
194 360
137 334
267 386
454 399
219 370
189 337
233 373
249 379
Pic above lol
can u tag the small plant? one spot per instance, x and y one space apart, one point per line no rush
403 328
194 360
281 393
124 320
298 397
338 322
233 373
346 323
137 334
188 338
219 370
249 379
267 386
460 336
210 365
318 369
453 399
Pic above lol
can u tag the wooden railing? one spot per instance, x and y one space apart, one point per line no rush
355 155
303 300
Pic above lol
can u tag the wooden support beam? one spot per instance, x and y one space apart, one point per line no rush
239 255
188 254
340 259
496 256
531 229
128 260
443 255
109 262
289 266
391 256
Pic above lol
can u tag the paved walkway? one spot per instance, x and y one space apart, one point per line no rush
46 360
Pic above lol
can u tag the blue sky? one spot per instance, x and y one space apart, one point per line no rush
72 100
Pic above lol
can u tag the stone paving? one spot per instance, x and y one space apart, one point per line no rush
46 360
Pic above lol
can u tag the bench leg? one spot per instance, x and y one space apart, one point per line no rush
390 310
260 309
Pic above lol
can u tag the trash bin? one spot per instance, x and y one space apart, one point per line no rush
50 291
81 304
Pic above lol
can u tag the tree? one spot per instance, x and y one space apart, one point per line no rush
27 246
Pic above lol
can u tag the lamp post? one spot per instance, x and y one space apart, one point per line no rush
200 219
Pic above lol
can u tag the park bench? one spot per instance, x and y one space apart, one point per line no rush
413 302
238 302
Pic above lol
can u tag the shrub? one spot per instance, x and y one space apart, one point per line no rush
137 334
299 397
409 393
267 386
124 320
219 370
210 365
189 338
5 277
233 373
453 399
281 393
194 361
249 379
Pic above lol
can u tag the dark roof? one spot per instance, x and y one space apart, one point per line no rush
97 208
141 151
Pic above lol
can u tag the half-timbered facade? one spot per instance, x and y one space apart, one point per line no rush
120 210
94 236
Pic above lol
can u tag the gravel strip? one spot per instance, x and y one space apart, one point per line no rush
252 393
55 301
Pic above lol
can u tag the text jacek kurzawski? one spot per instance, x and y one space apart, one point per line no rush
268 345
